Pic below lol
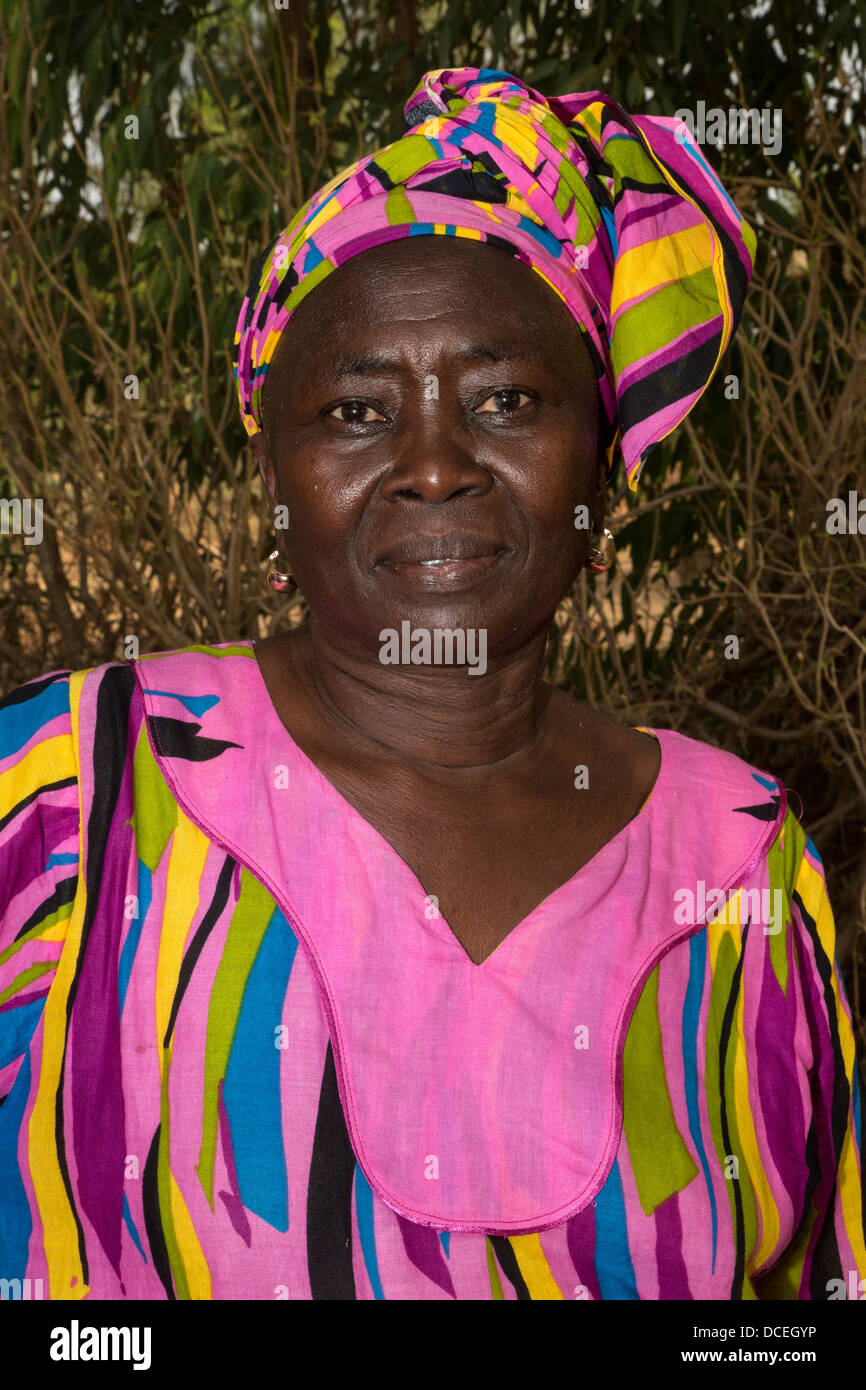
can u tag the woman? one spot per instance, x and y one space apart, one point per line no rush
360 963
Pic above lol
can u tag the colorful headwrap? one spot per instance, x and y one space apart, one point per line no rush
620 215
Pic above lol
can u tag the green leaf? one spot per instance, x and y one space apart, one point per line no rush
538 74
771 207
634 92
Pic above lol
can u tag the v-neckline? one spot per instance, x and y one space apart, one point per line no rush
479 1069
351 813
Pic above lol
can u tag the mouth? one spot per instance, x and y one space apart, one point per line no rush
441 563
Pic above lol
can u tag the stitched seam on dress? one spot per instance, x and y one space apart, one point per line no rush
547 1220
293 917
739 877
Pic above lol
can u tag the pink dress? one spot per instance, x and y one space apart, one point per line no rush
244 1057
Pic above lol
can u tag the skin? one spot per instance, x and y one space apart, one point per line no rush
469 778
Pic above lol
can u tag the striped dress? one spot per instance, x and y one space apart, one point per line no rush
242 1055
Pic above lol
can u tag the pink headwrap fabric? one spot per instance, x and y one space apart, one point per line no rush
620 215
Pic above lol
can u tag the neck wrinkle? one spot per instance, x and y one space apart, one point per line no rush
429 720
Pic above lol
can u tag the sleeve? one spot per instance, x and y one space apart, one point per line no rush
826 1260
39 856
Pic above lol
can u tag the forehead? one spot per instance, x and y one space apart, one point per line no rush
464 288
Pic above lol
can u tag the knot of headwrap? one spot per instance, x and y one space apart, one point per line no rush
620 215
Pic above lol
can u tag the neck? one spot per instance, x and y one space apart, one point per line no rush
440 716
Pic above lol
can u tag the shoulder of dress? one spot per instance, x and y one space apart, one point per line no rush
187 668
718 808
197 652
703 767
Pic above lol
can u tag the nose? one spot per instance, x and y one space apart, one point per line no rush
433 465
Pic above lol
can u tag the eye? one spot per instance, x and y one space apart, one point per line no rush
356 411
510 395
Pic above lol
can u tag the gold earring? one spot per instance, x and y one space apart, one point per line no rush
278 579
601 554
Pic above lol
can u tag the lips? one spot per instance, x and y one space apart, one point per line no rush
449 563
432 551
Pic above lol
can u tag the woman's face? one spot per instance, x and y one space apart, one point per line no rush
432 401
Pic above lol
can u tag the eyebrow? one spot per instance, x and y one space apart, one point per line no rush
366 364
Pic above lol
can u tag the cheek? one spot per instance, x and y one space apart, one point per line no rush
561 481
557 502
324 511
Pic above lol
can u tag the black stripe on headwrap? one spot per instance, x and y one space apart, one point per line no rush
467 183
672 382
